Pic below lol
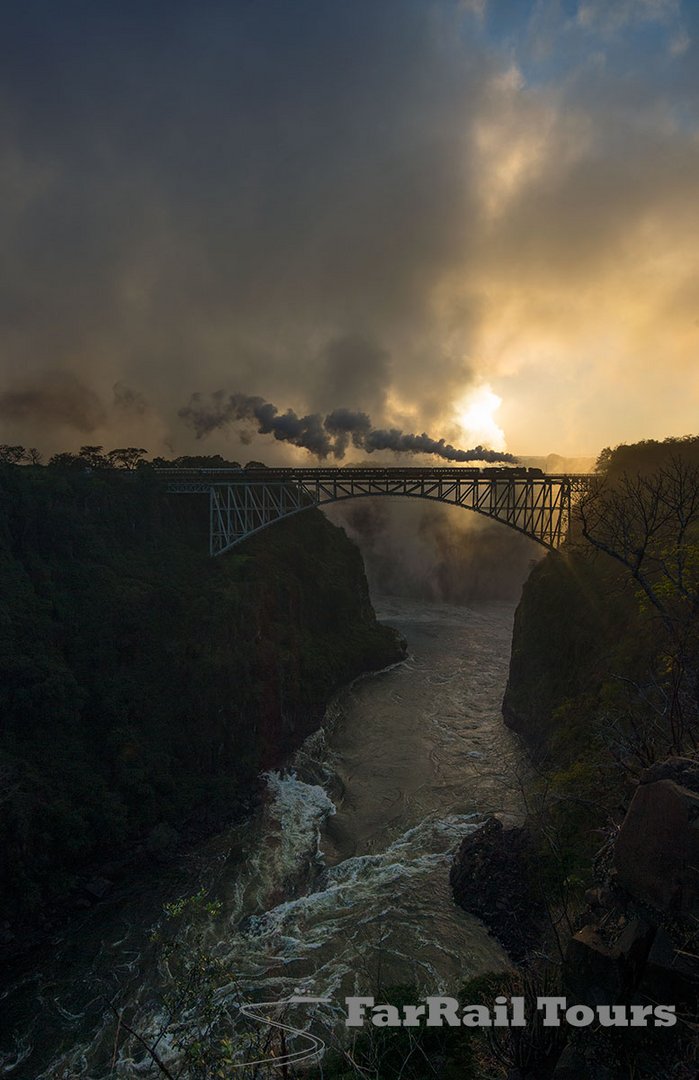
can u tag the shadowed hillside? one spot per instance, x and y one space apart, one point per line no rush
144 685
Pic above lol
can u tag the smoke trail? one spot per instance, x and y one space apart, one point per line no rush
343 425
321 435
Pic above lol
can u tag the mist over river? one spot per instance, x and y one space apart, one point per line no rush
338 882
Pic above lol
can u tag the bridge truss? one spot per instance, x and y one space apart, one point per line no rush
243 502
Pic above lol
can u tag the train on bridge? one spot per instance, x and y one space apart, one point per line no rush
265 472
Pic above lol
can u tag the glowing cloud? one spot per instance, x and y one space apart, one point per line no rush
476 415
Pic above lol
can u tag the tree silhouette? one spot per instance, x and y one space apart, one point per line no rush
11 455
128 457
649 524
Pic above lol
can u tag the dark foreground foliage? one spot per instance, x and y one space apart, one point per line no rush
144 685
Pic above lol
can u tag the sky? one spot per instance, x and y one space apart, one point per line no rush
476 219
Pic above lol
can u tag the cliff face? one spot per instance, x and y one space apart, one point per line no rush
143 684
576 627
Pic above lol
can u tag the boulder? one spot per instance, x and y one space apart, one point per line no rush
634 946
594 970
492 877
683 771
656 854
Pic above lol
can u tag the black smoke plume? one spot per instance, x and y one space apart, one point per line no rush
321 435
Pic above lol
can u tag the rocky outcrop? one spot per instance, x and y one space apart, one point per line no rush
594 972
492 877
604 967
567 625
657 851
639 939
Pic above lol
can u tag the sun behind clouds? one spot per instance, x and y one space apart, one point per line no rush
476 416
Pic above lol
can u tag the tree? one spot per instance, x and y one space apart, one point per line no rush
94 457
127 457
66 460
603 460
34 456
649 524
11 455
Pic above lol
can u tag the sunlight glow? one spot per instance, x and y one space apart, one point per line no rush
476 415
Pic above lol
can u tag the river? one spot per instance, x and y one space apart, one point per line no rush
337 884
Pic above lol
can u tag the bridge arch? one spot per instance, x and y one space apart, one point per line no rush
243 503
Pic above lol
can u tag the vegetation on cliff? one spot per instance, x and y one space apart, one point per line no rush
603 624
603 672
603 685
143 684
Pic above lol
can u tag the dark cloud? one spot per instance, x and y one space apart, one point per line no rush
364 203
129 400
55 398
321 435
200 189
352 368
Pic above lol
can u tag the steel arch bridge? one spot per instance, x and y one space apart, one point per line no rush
242 502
